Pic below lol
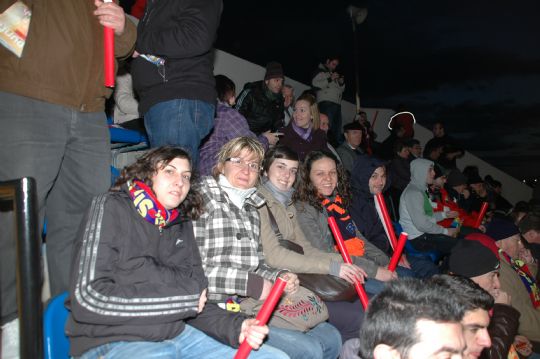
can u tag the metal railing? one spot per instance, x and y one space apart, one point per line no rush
22 193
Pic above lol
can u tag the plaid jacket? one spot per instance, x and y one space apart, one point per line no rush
228 240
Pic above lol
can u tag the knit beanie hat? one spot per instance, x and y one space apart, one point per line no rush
456 178
501 228
470 258
273 70
439 171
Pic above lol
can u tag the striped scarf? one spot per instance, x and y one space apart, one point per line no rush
148 205
335 208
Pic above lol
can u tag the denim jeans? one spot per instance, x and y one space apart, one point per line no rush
191 343
321 342
333 111
181 123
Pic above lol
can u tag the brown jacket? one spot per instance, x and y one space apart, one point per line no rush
62 61
312 261
529 322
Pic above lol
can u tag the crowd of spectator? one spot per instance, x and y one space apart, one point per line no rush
236 192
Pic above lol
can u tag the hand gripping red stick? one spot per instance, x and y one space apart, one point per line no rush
264 314
108 52
347 259
388 223
481 215
397 251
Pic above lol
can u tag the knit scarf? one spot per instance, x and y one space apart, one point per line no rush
526 277
305 133
148 205
346 226
284 197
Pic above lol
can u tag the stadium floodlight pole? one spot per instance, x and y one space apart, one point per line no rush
358 15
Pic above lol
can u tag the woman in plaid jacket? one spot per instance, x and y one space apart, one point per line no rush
228 238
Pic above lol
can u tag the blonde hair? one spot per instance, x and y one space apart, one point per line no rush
313 109
233 148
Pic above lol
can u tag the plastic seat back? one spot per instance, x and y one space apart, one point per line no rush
56 343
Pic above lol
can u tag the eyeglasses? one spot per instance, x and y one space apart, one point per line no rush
240 163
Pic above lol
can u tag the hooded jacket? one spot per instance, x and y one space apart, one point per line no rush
412 214
362 209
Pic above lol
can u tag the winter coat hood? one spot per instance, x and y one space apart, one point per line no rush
363 168
419 170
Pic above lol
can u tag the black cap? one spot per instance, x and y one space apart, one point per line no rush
470 258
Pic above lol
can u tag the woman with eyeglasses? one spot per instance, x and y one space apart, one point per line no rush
279 219
228 236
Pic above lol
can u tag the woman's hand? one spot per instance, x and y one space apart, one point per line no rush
352 273
272 138
292 282
253 333
267 287
385 275
202 300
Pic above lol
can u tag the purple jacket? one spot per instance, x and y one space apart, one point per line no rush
316 142
229 124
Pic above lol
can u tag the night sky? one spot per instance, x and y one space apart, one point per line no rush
475 65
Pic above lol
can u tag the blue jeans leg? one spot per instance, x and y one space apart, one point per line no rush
190 344
373 287
181 123
321 342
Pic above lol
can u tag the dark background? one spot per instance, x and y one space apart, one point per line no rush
474 65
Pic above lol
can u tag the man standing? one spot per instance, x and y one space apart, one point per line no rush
173 74
350 149
261 102
416 214
53 128
330 86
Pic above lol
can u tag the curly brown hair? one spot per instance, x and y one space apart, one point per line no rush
308 193
147 166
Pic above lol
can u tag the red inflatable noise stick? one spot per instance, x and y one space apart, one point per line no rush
108 52
347 259
264 314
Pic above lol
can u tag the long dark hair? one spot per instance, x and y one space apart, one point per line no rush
308 193
147 166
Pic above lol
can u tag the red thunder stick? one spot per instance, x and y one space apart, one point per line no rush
347 259
481 215
264 314
397 252
386 217
108 51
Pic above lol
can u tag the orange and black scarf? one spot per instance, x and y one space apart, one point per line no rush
348 230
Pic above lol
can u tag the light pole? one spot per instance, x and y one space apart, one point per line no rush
358 15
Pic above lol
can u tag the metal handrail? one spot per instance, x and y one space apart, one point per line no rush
22 192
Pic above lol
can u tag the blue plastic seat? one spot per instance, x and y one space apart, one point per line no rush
56 343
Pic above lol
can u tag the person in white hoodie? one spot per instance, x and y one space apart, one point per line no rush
417 217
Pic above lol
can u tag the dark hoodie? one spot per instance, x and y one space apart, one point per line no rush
362 209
